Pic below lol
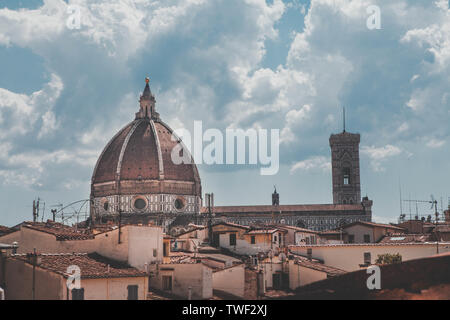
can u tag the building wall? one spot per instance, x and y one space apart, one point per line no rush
184 275
375 233
269 269
244 246
145 245
349 257
136 244
192 239
304 237
155 203
29 239
300 276
317 221
251 284
19 282
112 289
231 280
359 231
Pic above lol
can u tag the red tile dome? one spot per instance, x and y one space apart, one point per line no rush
137 160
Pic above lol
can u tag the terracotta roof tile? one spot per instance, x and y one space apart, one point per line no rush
92 265
330 271
374 224
60 231
407 238
5 230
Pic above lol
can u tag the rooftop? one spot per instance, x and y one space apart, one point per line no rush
5 230
374 224
60 231
264 231
286 208
407 238
330 271
92 265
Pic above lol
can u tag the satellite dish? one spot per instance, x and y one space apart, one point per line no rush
282 221
282 257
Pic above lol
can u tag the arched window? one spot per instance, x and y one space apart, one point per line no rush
346 175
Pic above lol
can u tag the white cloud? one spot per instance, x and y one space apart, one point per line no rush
378 155
317 162
434 143
19 113
294 118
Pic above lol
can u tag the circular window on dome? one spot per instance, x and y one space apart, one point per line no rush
140 203
179 203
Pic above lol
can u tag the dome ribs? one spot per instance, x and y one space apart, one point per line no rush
105 168
140 158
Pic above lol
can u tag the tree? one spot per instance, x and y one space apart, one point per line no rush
389 258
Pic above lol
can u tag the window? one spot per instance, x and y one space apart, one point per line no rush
367 258
367 238
351 238
165 251
132 292
78 294
275 239
167 283
106 206
232 239
140 204
346 173
179 204
252 240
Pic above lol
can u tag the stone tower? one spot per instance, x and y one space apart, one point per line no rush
345 168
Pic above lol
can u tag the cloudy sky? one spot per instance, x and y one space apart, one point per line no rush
288 65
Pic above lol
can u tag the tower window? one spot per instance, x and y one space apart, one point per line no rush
346 174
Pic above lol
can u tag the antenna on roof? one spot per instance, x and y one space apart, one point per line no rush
343 116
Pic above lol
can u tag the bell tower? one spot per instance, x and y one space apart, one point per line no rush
345 167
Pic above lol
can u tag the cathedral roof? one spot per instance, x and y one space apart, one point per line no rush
142 151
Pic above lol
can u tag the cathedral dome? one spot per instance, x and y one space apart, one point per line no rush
135 172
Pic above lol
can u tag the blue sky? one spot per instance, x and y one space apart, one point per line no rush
290 65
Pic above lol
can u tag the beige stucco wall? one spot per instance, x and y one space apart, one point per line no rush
349 257
184 275
19 282
145 245
112 289
244 246
231 280
135 247
269 269
300 276
52 286
29 239
359 231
